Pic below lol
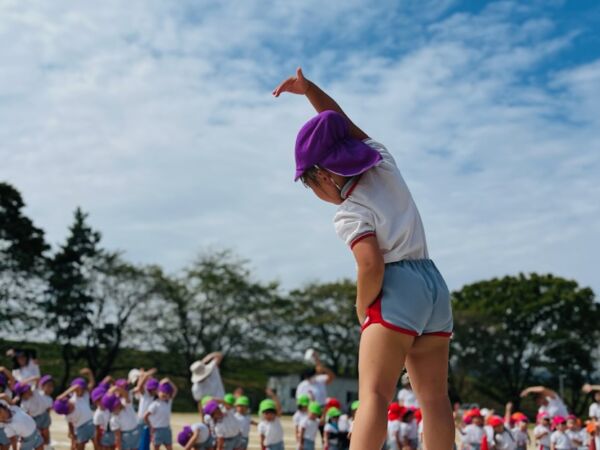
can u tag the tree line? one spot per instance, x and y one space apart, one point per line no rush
510 332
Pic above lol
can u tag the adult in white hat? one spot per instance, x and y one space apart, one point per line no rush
206 378
315 380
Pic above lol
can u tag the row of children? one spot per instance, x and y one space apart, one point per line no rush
483 430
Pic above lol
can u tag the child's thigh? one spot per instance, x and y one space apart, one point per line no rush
427 365
381 359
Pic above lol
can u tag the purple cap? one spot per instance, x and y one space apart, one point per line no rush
97 393
151 384
45 379
79 382
61 406
104 385
325 141
122 383
184 435
21 388
166 388
110 402
210 407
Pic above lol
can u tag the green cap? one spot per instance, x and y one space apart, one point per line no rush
266 405
205 400
315 408
229 399
303 400
242 400
354 405
333 412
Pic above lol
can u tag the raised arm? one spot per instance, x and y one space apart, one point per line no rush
217 356
587 388
146 374
322 369
168 380
273 396
298 84
87 372
539 390
67 393
9 376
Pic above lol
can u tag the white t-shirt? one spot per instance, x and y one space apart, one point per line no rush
473 434
126 420
228 426
82 413
305 388
522 437
505 441
203 432
144 401
20 424
245 421
160 413
394 434
381 204
594 411
31 369
555 407
212 385
35 405
271 430
319 387
310 427
298 416
560 440
538 431
102 418
407 397
575 435
344 423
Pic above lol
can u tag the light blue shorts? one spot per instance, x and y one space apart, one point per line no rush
231 443
243 443
32 441
43 421
277 446
85 432
414 300
308 444
130 439
108 439
4 440
209 443
162 436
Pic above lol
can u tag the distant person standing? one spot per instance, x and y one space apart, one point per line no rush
25 364
406 396
548 401
206 378
314 382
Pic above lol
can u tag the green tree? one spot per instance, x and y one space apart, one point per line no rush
22 260
215 305
521 330
322 316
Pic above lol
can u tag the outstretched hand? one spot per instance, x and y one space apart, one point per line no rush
294 85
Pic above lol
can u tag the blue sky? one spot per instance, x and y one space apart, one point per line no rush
156 117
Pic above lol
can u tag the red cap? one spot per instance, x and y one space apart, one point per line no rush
395 411
333 403
519 417
495 421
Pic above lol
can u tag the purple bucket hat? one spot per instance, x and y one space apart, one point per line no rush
166 388
122 383
110 402
184 435
152 384
210 407
79 382
97 393
21 388
61 406
325 141
45 379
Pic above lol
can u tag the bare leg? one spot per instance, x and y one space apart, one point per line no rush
45 432
380 361
427 365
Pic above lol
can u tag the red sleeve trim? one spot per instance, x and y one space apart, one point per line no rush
360 238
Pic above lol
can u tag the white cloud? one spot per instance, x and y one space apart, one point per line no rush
157 118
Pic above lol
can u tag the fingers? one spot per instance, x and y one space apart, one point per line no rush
283 86
299 74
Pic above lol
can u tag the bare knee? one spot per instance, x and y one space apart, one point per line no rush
432 399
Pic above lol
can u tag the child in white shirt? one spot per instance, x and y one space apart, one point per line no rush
242 403
19 426
74 403
559 440
472 434
227 427
309 427
158 415
269 428
541 432
104 438
123 419
302 403
196 436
